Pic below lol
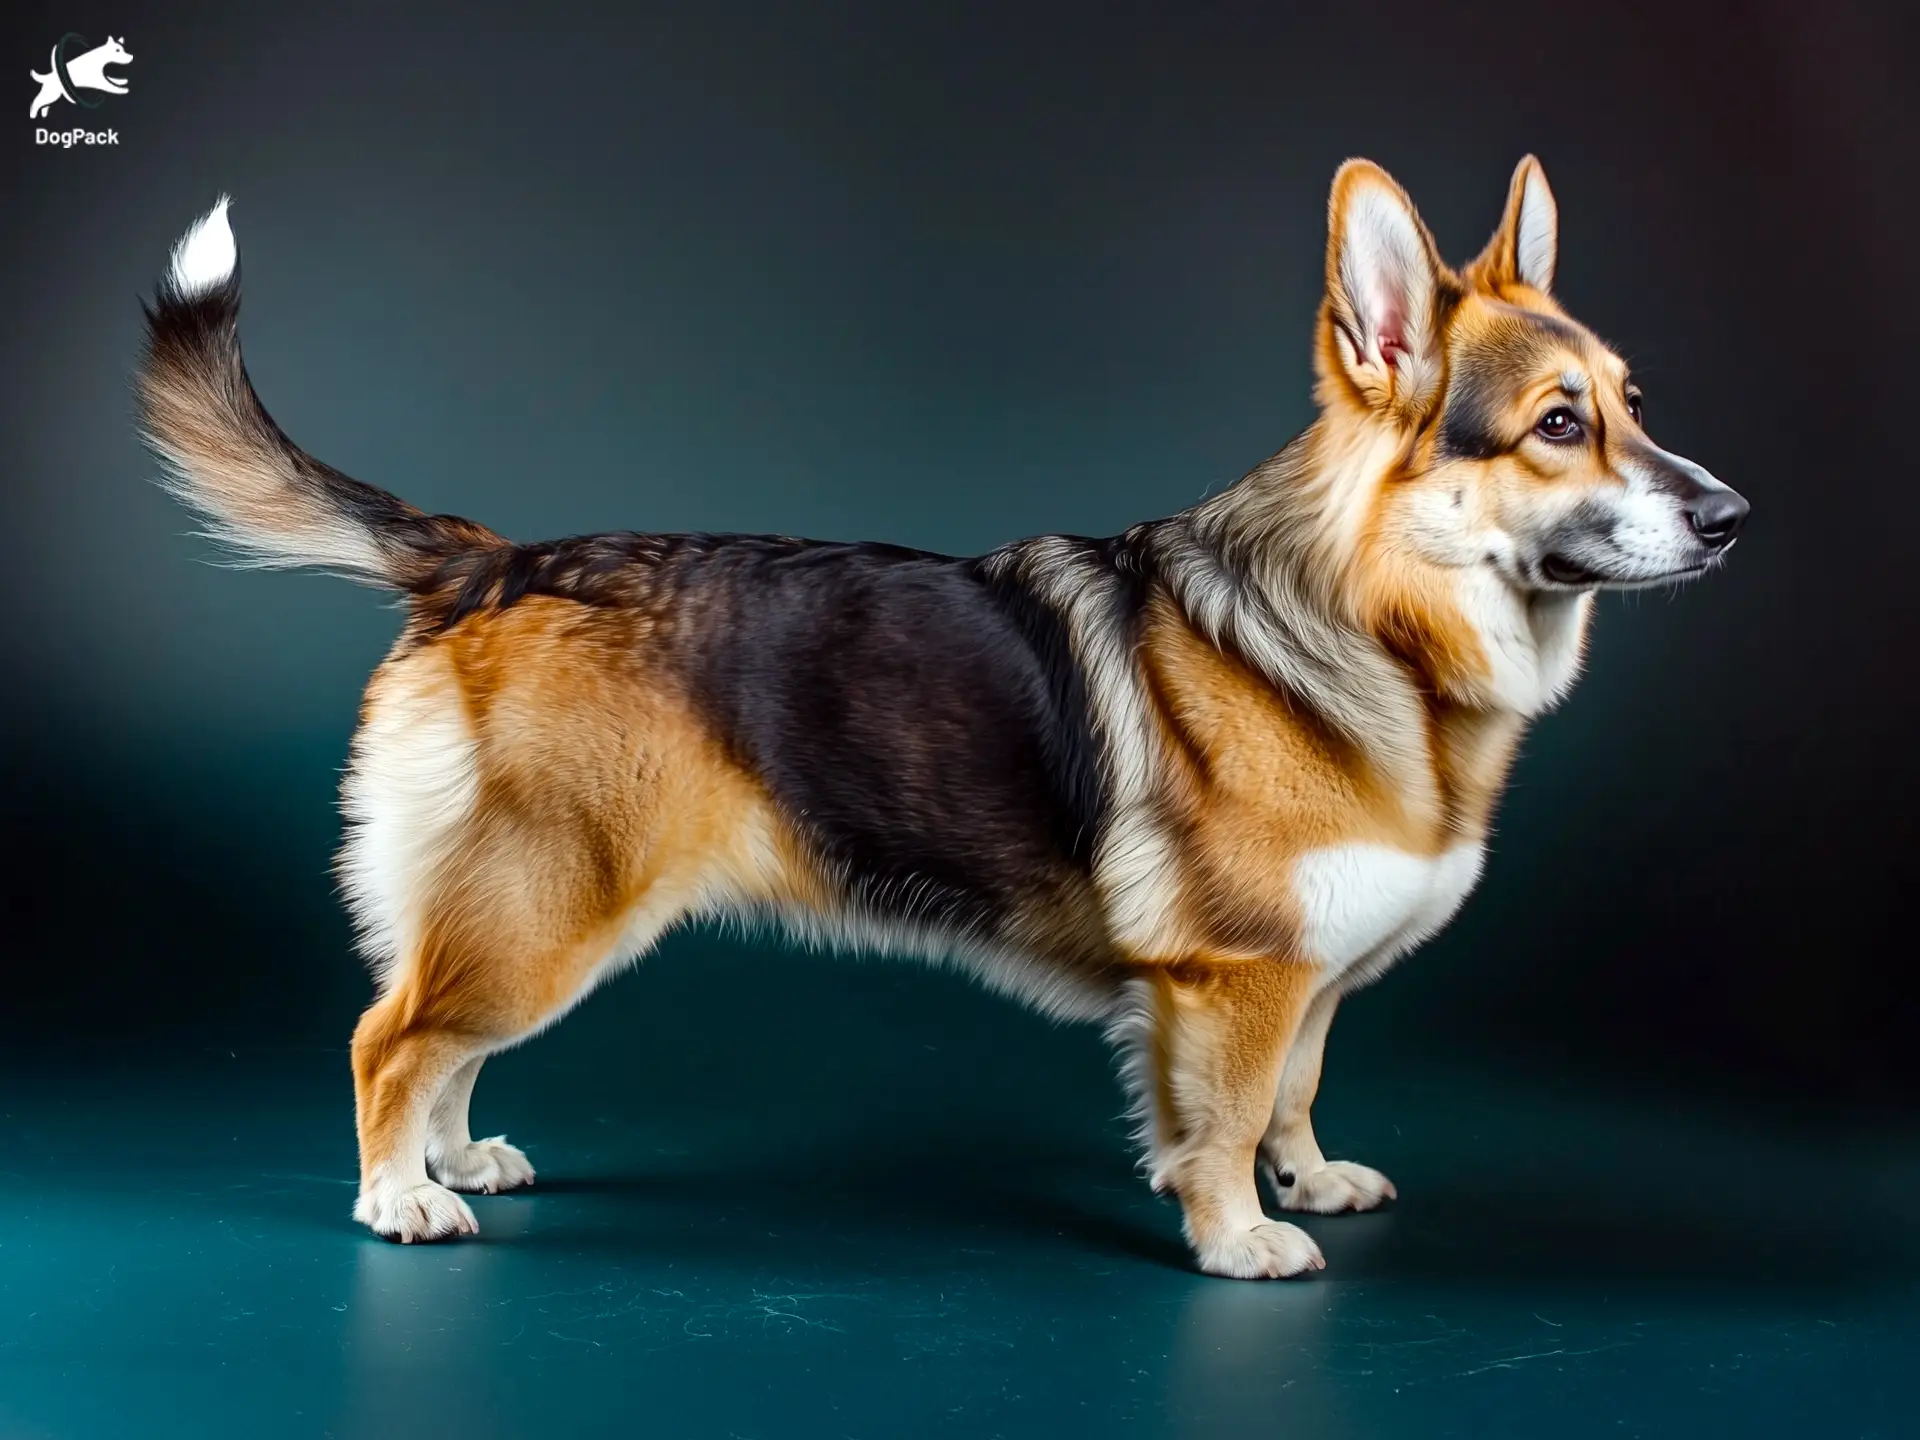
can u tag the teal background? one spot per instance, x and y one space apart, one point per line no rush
946 277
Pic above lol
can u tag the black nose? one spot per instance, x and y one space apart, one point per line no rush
1716 517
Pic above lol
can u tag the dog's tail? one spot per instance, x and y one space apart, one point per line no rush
264 497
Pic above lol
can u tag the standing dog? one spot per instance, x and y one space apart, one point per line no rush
1197 780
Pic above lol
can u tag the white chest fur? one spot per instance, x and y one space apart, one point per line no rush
1363 905
1532 644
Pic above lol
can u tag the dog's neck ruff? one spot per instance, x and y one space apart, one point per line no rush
1267 613
1254 570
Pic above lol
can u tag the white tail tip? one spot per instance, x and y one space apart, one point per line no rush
206 254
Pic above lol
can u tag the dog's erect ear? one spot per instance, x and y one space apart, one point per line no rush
1527 244
1383 284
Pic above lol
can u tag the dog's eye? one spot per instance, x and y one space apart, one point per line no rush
1636 407
1558 424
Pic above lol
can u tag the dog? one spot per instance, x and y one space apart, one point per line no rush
1196 781
88 71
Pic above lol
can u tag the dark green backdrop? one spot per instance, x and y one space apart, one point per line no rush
945 278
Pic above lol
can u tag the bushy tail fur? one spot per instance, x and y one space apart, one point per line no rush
263 496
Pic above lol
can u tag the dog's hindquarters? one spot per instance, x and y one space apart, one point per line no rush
529 805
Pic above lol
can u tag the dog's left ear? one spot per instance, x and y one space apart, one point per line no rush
1383 290
1524 249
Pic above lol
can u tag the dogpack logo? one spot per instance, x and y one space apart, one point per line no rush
72 71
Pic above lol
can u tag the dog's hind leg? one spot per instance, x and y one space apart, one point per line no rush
455 1158
1218 1032
401 1061
491 969
1303 1178
495 913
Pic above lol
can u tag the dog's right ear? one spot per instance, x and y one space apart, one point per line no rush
1524 249
1381 329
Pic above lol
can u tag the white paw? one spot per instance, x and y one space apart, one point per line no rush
1270 1251
414 1212
482 1167
1336 1185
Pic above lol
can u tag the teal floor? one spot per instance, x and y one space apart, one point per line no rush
877 1225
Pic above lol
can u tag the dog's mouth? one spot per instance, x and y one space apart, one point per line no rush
1564 571
1670 577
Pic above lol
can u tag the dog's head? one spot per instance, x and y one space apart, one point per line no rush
1519 438
114 53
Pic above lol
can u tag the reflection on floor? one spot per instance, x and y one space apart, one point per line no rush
880 1226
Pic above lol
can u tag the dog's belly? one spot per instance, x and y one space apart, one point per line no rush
1365 905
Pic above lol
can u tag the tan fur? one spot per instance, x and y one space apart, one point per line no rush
1222 1031
604 814
1259 783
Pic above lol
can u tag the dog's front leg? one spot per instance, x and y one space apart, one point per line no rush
1218 1032
1303 1178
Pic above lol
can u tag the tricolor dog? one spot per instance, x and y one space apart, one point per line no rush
1195 781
